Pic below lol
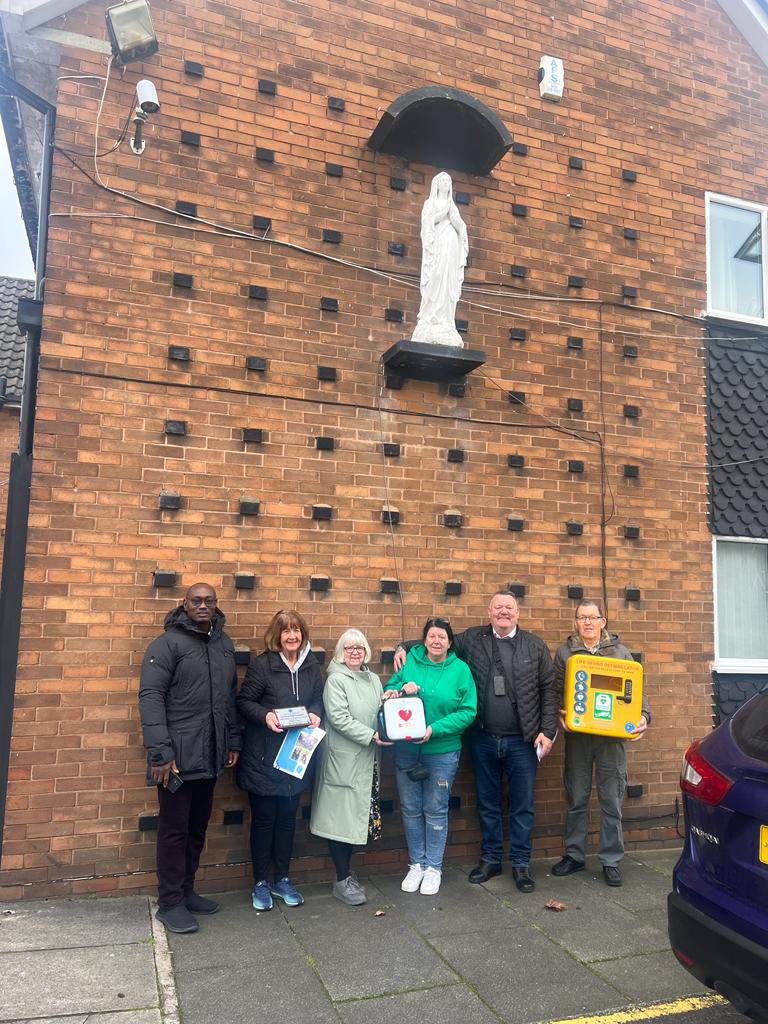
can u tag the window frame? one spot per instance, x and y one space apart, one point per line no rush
744 666
742 204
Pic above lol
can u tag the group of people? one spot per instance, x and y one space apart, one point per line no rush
496 682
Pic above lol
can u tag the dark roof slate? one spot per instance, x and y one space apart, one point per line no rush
737 429
731 691
11 342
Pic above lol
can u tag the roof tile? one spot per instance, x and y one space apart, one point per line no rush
11 342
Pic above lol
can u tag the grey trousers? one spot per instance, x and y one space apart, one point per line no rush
609 758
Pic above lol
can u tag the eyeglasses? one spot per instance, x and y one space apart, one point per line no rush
354 647
588 618
209 602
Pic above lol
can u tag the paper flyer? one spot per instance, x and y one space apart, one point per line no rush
296 750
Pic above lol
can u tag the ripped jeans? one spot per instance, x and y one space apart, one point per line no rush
424 805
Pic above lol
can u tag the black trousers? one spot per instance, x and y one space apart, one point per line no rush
182 823
341 855
273 824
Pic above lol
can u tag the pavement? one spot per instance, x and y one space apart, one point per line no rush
475 954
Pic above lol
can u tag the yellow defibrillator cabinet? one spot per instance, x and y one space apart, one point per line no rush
603 696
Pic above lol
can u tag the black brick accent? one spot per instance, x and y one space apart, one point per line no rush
189 209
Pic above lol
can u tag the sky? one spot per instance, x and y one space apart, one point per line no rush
15 257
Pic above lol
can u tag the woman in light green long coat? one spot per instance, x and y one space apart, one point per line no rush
345 803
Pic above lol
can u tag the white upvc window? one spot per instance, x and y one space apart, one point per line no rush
741 604
737 281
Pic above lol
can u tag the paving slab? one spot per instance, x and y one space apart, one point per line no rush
455 910
325 924
657 916
594 926
659 860
55 982
125 1017
236 927
650 978
524 977
60 924
372 967
444 1005
270 993
645 887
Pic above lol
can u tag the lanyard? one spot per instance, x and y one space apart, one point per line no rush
501 670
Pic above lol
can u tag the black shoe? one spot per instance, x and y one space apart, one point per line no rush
198 904
567 866
483 871
523 879
178 919
612 875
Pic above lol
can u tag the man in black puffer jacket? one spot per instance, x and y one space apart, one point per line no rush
191 732
515 727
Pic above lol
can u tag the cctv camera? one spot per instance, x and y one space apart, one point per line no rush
147 96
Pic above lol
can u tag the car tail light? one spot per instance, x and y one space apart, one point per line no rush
698 777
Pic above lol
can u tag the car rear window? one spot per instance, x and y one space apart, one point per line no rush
750 727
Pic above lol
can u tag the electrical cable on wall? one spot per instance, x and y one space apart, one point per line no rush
404 280
408 282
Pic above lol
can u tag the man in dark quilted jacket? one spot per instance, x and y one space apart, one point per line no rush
515 727
191 732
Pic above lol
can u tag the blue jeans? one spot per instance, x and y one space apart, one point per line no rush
494 756
424 805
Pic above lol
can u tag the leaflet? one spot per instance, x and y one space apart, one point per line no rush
296 750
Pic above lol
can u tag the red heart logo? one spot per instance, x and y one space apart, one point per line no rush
405 714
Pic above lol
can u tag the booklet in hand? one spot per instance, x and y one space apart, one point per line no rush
296 751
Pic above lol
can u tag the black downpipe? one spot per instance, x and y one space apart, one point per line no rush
20 477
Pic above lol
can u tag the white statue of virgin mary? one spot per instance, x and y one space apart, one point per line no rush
444 255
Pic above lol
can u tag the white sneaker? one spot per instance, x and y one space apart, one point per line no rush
430 883
412 880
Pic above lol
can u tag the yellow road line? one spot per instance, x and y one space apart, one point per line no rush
630 1015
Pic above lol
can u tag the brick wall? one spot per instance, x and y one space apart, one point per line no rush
661 93
9 443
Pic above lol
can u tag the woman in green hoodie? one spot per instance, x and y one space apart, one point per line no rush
426 768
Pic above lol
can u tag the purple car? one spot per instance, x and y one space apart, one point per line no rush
718 910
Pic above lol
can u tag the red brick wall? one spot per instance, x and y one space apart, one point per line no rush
661 92
9 443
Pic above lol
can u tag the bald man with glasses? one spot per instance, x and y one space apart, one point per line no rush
585 753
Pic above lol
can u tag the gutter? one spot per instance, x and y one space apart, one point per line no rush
13 127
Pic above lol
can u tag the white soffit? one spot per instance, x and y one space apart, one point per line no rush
751 19
37 12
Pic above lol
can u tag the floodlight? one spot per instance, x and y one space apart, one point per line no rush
131 31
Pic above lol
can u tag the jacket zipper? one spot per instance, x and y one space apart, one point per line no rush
213 717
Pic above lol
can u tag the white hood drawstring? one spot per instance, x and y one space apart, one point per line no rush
295 670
